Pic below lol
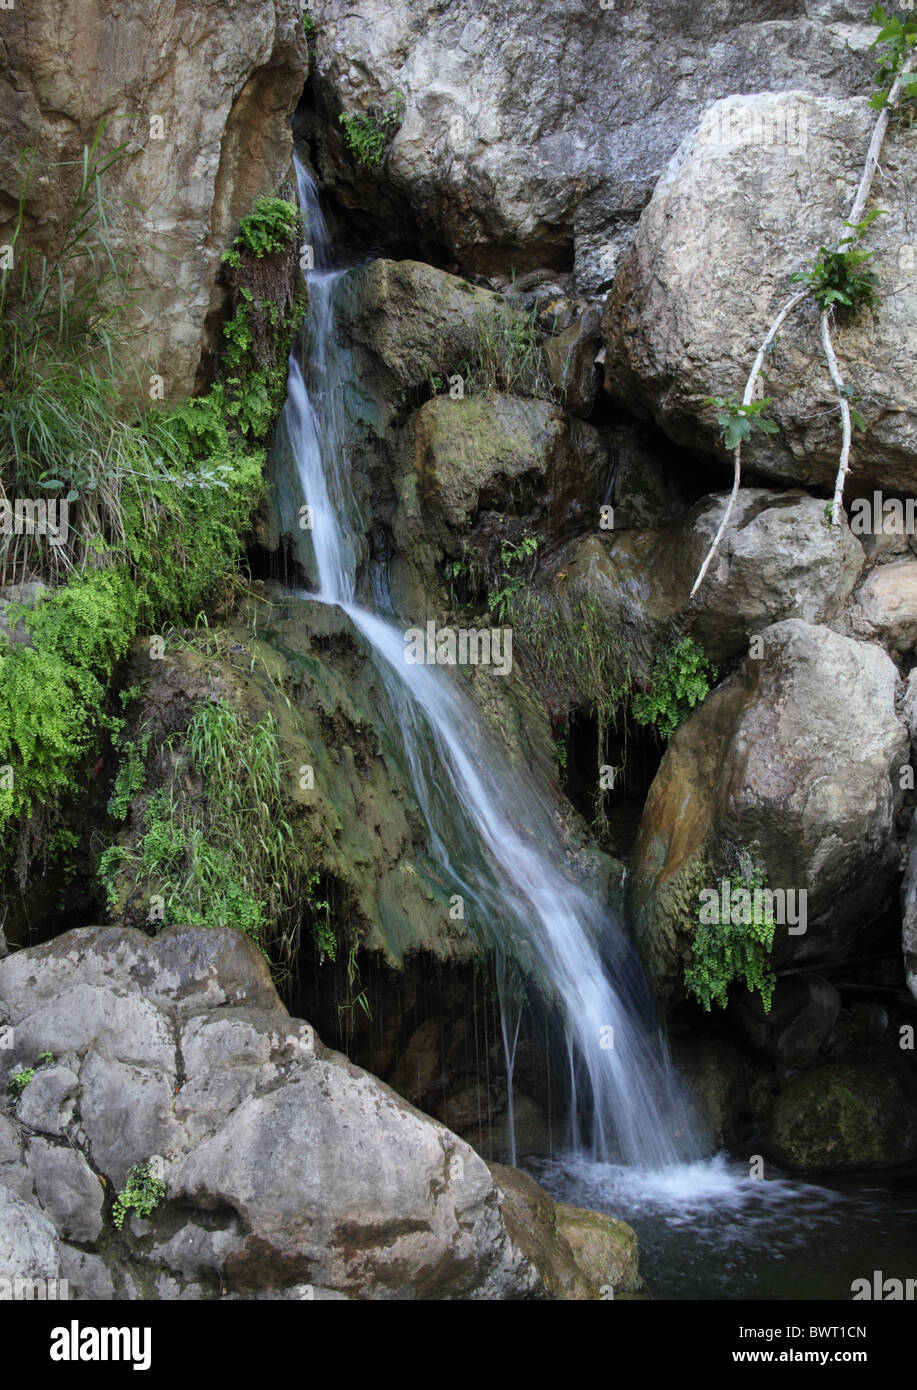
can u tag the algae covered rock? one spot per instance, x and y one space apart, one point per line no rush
849 1114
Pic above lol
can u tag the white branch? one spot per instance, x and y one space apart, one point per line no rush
772 332
856 215
844 464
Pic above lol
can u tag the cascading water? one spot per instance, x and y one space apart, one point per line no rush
491 830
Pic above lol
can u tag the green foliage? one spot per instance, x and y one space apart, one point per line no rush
142 1193
506 351
898 37
367 135
20 1078
736 421
835 278
130 777
108 868
322 926
681 678
52 694
272 225
499 601
723 951
225 858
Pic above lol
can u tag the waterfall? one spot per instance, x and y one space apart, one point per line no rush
491 828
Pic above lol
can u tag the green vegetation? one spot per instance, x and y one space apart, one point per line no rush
512 556
727 950
158 501
899 39
367 134
20 1078
224 858
268 303
736 421
131 775
681 678
835 278
142 1193
506 351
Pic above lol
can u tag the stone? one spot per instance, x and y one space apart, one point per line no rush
886 606
224 83
68 1190
680 326
29 1247
604 1248
285 1164
796 757
846 1115
532 1219
503 165
570 357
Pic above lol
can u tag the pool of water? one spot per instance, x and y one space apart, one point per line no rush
709 1231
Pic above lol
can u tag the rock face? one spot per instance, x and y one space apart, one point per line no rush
797 756
849 1114
777 560
681 326
213 89
289 1172
503 164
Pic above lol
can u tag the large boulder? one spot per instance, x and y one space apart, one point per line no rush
777 560
220 81
286 1168
765 181
847 1114
797 758
500 163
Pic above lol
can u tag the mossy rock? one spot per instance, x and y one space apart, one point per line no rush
849 1114
604 1248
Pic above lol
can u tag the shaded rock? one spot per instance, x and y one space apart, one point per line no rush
88 1278
719 1080
797 758
804 1010
679 329
570 357
777 560
29 1247
496 162
68 1190
847 1115
532 1219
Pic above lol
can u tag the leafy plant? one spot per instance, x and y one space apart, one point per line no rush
723 951
736 420
226 858
512 555
142 1193
681 678
20 1078
272 225
899 39
130 777
834 277
367 134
